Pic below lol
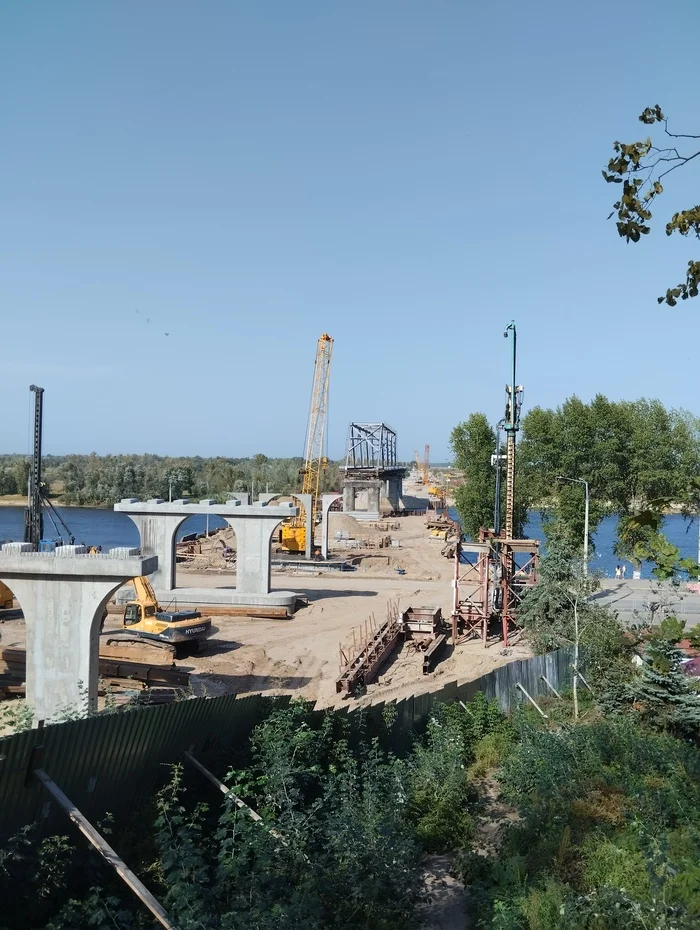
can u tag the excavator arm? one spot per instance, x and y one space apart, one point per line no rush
145 594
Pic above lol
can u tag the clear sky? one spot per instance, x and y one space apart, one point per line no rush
405 175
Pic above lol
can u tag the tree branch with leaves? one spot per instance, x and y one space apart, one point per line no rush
640 168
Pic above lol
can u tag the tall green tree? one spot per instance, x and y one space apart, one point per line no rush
640 167
473 443
629 452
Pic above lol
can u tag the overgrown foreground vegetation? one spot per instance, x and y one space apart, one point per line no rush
606 831
586 819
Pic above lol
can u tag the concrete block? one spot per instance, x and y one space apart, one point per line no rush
68 552
182 500
155 500
130 500
123 552
233 503
208 502
17 547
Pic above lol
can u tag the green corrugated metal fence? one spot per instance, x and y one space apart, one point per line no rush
113 762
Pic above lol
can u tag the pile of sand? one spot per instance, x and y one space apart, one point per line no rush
343 523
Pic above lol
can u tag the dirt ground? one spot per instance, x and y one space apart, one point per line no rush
300 655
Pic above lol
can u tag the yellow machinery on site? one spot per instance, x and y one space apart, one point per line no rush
144 620
292 536
423 465
6 599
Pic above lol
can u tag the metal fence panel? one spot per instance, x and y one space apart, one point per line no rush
114 762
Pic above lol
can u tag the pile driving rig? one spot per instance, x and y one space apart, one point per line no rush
493 573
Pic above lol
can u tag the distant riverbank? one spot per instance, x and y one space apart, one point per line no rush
20 500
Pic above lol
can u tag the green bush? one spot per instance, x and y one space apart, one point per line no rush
609 864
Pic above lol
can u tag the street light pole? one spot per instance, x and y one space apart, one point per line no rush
585 517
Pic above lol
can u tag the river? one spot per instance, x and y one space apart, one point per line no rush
679 531
97 527
94 526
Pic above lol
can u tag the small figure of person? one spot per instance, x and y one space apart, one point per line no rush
623 572
618 573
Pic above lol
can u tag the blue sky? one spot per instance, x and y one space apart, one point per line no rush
407 176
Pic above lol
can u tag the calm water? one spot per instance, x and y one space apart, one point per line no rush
106 528
95 527
682 533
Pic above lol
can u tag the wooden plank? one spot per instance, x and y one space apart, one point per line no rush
144 652
109 668
106 851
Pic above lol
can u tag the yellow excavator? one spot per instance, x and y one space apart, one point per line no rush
6 599
292 536
175 631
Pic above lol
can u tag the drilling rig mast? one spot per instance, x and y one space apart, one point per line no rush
293 534
511 424
493 572
33 519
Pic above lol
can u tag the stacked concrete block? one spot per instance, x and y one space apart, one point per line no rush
69 552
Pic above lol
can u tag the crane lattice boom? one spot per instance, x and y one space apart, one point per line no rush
314 460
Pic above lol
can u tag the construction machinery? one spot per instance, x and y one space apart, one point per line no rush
37 496
292 537
33 519
6 598
423 465
493 573
173 631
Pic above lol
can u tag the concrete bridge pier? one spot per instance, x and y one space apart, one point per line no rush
253 524
63 596
253 565
327 501
157 535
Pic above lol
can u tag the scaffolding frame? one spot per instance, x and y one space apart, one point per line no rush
491 577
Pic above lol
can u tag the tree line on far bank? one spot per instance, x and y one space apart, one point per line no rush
638 457
97 480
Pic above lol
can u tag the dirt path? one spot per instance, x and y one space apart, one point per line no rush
446 904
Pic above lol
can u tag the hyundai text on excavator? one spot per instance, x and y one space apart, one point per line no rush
173 631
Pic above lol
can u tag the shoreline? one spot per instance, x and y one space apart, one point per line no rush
17 500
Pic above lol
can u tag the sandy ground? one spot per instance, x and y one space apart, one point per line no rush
301 655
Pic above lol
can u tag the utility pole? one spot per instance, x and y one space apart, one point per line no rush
511 425
33 520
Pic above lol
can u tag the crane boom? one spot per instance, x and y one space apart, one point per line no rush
293 535
314 460
423 465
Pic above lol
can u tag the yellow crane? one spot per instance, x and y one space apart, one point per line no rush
293 534
424 464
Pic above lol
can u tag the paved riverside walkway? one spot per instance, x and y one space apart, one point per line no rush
630 597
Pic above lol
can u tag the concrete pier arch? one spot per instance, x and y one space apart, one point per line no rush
63 595
253 524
